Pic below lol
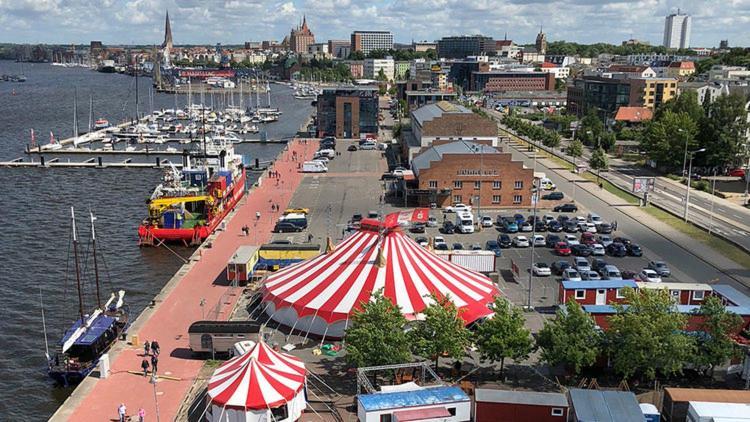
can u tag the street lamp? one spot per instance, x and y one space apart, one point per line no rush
687 189
156 398
534 199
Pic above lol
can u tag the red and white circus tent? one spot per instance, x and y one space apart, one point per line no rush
319 295
256 385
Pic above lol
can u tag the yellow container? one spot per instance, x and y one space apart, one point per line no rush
134 340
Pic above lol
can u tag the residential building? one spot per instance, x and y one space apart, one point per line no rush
400 69
357 69
301 37
632 71
348 112
680 70
373 68
423 46
560 72
472 173
531 55
652 92
707 92
506 48
464 46
451 122
519 406
319 50
604 95
402 87
495 81
366 41
439 79
677 30
729 74
339 48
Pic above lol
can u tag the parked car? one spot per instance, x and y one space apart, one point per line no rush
572 240
570 226
417 227
422 241
559 266
566 208
590 275
562 218
356 218
448 227
598 264
286 227
581 264
538 240
553 196
494 246
554 226
551 240
617 249
521 242
562 249
571 274
598 250
604 228
624 240
441 247
587 227
605 240
432 222
738 172
526 227
458 247
594 218
518 218
504 241
475 247
510 226
611 273
547 218
649 275
588 238
458 207
660 267
628 275
541 269
486 221
580 250
634 250
438 240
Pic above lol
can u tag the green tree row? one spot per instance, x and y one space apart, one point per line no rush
398 55
537 133
593 50
733 57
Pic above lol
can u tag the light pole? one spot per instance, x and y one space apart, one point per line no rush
156 397
534 192
687 189
713 195
684 160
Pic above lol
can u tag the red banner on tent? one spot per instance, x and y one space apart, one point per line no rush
419 215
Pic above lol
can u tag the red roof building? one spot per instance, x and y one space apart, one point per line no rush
634 114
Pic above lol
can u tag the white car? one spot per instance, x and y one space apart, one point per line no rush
398 173
458 207
649 275
591 275
541 269
572 240
438 240
581 264
587 227
526 227
548 218
539 240
598 249
521 242
571 274
580 219
594 218
487 221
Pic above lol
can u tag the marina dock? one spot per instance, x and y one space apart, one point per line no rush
195 292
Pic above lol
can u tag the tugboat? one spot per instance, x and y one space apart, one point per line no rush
190 203
91 335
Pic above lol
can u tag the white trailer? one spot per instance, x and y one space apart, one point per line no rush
479 261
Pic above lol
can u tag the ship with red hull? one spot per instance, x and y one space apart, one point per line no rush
191 202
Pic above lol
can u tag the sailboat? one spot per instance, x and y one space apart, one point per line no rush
92 334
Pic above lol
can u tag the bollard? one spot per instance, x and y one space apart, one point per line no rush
257 163
99 159
41 157
158 162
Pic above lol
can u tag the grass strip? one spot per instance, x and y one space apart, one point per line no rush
613 189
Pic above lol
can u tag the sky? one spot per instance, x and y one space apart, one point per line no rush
236 21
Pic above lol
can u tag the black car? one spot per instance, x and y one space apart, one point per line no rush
551 240
351 147
540 227
580 250
628 275
566 208
570 226
458 247
553 196
417 227
441 247
559 266
598 264
634 250
625 241
356 217
504 241
449 227
286 227
554 226
604 228
617 249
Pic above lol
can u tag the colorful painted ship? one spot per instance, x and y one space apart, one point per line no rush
192 202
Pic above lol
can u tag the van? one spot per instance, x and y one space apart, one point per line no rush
547 184
368 145
328 153
465 222
314 167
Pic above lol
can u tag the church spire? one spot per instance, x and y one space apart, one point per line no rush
167 33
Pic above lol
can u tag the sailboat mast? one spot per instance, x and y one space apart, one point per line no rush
75 116
135 70
91 112
96 266
268 92
78 268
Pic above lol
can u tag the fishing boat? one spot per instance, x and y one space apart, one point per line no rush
101 124
191 202
92 334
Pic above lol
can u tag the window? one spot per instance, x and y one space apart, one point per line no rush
458 184
518 184
457 199
452 411
674 293
619 294
280 413
557 411
433 184
517 199
477 185
699 294
580 294
497 184
495 199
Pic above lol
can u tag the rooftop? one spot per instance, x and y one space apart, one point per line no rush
732 294
433 111
605 406
521 397
708 394
414 398
436 153
634 114
598 284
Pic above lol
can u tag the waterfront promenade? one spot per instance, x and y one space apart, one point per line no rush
179 305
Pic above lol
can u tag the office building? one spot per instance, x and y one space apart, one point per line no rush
348 112
466 45
423 46
497 81
339 48
400 69
677 30
444 121
373 68
607 95
366 41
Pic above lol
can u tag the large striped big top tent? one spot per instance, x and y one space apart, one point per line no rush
319 295
261 381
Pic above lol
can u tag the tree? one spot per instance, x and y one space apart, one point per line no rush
664 138
376 335
504 335
714 345
724 130
571 339
356 55
647 336
686 102
441 333
591 128
381 76
575 149
598 161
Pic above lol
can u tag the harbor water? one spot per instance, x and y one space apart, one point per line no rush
36 224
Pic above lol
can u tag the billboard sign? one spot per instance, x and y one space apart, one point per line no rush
643 184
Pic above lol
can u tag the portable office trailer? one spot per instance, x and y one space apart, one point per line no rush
700 411
444 404
219 337
519 406
240 266
676 401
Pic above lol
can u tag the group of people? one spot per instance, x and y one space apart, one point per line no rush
122 413
273 174
151 349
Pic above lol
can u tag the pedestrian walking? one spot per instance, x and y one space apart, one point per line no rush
257 215
144 365
245 230
141 415
146 347
309 238
122 411
154 363
155 347
614 226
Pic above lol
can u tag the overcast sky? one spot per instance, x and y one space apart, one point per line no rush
235 21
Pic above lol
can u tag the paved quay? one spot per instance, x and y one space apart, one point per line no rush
179 305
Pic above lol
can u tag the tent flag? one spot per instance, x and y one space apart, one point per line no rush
419 215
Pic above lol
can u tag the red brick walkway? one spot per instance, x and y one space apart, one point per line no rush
170 322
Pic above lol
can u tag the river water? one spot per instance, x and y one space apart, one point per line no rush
34 214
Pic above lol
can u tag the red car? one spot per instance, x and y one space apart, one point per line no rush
562 249
738 172
588 238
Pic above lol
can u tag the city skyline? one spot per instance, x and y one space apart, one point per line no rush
234 22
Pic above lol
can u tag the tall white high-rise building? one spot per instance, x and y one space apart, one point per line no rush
677 30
